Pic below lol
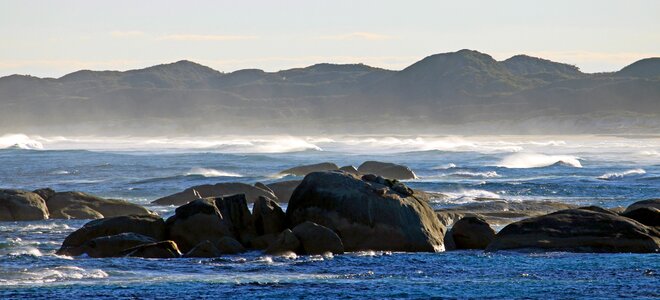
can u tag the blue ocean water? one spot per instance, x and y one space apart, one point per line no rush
593 170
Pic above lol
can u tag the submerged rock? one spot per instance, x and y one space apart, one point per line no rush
218 190
366 215
79 205
471 233
147 225
18 205
196 222
284 189
388 170
316 239
306 169
578 230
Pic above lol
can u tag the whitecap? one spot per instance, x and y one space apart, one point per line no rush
489 174
465 196
212 173
444 167
19 141
535 160
621 175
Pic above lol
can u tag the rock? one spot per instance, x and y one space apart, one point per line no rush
268 217
366 215
598 209
388 170
218 190
655 203
78 205
500 212
649 216
471 233
286 242
235 211
204 249
284 189
263 241
228 245
163 249
147 225
263 187
578 230
112 246
306 169
349 169
196 222
17 205
316 239
45 193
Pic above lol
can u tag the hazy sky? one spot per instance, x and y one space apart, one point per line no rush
52 38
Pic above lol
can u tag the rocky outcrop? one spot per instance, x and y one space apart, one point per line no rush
388 170
316 239
286 243
284 189
79 205
218 190
268 217
578 230
306 169
499 212
147 225
195 222
17 205
204 249
649 216
470 233
113 245
655 203
235 212
162 249
366 215
350 169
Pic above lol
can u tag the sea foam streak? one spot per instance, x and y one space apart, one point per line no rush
535 160
621 175
212 173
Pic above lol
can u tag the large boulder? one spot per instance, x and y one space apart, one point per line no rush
649 216
217 190
388 170
286 243
655 203
268 217
78 205
366 215
471 233
236 213
316 239
146 225
17 205
196 222
113 245
306 169
162 249
284 189
578 230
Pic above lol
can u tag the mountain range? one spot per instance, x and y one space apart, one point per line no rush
460 92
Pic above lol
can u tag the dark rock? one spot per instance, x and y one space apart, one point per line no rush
471 233
649 216
655 203
147 225
78 205
349 169
218 190
263 241
163 249
263 187
235 211
228 245
17 205
388 170
306 169
196 222
268 217
204 249
284 189
578 230
286 242
316 239
45 193
363 217
111 246
500 212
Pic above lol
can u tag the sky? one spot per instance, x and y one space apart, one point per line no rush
52 38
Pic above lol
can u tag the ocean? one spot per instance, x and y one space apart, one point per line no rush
608 171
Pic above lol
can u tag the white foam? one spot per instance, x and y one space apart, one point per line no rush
535 160
621 175
489 174
444 167
212 173
464 196
20 141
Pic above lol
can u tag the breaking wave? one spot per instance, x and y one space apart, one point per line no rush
19 141
535 160
211 173
621 175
